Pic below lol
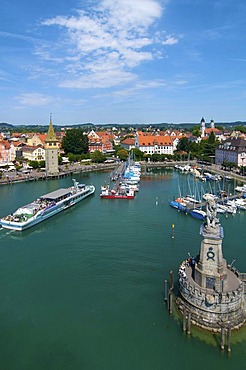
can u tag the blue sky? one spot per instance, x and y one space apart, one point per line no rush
122 61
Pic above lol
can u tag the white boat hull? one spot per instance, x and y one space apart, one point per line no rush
42 215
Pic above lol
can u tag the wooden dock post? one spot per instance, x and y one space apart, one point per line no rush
222 345
165 290
171 280
229 339
184 320
189 323
170 300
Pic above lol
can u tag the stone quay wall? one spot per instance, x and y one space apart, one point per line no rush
212 311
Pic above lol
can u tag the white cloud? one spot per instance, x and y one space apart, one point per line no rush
33 99
136 90
137 14
170 41
102 47
106 79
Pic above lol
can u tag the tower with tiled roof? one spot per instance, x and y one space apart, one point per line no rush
51 151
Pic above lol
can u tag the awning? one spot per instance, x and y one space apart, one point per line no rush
6 164
56 194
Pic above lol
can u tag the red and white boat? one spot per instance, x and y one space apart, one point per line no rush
106 193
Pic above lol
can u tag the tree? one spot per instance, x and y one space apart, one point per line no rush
59 159
183 144
212 138
37 164
98 156
138 154
229 165
240 128
75 142
122 154
208 147
155 157
196 131
34 164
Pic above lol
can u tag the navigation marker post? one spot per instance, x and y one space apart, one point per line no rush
172 231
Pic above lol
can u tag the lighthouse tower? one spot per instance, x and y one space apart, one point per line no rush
51 151
202 127
210 289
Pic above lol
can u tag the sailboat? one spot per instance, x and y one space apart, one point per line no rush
198 213
180 203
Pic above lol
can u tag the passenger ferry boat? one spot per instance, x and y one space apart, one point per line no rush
46 206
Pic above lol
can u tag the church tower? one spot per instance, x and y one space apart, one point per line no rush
212 123
202 127
51 151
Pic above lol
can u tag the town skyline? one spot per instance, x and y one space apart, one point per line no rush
122 61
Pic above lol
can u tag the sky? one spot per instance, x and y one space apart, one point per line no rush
122 61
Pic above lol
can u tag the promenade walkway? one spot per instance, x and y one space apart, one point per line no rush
12 178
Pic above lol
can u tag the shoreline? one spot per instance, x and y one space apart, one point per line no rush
41 176
78 168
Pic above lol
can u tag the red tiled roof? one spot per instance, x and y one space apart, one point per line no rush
16 143
153 140
42 137
105 134
16 134
6 144
209 130
128 141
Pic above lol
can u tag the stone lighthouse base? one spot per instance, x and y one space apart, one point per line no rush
210 309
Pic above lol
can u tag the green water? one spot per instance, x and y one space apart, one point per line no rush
84 289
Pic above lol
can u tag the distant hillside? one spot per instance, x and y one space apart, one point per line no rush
5 125
88 126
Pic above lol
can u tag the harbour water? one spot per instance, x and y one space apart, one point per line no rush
84 289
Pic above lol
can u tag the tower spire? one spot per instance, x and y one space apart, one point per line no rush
51 145
51 136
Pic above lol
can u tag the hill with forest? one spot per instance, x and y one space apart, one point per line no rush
4 126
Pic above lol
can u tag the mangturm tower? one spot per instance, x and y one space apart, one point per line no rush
51 151
210 290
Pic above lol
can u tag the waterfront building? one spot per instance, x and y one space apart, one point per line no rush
231 150
6 151
51 151
154 144
210 290
101 141
33 153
